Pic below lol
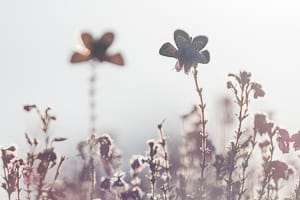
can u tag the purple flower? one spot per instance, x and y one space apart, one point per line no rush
188 52
283 140
258 91
296 140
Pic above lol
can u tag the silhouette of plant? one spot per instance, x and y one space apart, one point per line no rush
188 57
242 87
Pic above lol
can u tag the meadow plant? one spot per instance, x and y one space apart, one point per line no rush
188 55
255 164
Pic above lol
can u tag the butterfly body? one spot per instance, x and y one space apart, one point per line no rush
187 55
98 50
188 50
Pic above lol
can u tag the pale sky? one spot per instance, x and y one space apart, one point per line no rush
37 38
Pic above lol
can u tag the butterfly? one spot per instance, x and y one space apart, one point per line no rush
189 50
96 49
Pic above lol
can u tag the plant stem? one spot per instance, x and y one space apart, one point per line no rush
92 179
166 159
243 190
92 99
18 183
267 171
297 191
41 181
203 134
235 147
58 167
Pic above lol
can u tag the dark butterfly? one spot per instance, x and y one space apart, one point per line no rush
188 52
97 49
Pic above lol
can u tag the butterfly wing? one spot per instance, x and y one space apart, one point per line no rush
168 50
203 57
199 42
178 66
79 57
106 40
87 40
116 59
182 39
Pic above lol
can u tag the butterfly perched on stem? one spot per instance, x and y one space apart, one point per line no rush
96 49
188 52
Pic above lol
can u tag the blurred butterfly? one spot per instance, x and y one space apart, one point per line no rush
96 49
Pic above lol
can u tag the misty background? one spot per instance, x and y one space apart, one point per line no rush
38 37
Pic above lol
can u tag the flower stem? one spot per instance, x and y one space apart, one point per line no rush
92 179
242 101
163 143
203 134
92 99
267 170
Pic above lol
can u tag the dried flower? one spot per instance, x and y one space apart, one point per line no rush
188 50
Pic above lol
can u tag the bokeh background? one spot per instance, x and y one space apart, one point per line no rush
38 37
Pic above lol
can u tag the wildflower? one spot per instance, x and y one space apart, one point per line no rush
261 125
119 183
188 53
245 77
105 146
242 78
280 170
264 144
296 139
229 85
219 165
136 164
96 49
258 91
11 148
283 140
152 148
47 155
7 156
105 183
